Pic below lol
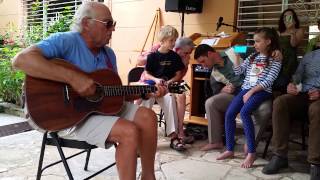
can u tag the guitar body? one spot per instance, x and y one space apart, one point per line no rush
55 106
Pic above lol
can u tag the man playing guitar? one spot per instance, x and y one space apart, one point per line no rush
133 128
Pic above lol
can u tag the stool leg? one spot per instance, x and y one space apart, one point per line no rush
43 146
63 158
87 159
160 117
266 147
161 120
165 128
303 134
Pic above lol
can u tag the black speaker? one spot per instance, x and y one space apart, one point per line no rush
186 6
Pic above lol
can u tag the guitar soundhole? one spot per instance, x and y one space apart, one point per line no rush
83 105
98 96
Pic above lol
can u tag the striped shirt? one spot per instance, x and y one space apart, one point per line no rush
309 71
258 73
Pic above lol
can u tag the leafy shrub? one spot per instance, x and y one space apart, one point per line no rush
11 80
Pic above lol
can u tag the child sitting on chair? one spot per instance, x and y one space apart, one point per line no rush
260 71
164 66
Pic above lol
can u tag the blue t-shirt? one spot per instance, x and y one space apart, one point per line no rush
71 47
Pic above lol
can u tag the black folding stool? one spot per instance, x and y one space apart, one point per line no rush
52 138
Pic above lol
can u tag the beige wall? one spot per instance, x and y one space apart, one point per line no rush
10 12
134 18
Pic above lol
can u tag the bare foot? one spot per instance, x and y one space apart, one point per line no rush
211 146
226 155
245 149
248 162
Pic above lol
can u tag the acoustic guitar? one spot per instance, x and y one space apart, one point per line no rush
55 106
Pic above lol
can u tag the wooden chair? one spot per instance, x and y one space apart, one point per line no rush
52 138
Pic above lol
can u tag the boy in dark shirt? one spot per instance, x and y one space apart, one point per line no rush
164 67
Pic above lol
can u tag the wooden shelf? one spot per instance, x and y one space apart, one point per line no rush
196 120
200 79
223 43
197 95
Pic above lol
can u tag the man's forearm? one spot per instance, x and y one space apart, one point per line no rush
34 64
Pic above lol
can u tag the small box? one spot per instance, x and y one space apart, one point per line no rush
240 49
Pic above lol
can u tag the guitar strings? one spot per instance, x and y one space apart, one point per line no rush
120 90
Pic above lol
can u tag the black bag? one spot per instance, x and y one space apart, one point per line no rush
197 131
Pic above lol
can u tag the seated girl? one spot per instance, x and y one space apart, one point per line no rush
260 71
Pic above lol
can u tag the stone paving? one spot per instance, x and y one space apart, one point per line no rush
19 156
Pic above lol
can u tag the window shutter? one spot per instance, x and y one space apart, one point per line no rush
253 14
44 12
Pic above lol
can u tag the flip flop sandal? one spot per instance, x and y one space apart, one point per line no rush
177 144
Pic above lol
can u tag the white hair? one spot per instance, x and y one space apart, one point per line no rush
86 9
184 41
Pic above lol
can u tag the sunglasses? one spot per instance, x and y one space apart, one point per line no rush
109 24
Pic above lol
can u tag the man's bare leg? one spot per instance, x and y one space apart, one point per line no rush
126 134
146 121
211 146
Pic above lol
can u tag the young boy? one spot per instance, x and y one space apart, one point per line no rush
164 67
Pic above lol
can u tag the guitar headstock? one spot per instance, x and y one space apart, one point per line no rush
178 87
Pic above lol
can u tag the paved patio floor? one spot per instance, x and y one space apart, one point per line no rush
19 156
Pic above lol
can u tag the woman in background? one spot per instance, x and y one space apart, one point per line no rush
291 36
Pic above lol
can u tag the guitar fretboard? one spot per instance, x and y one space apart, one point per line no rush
127 90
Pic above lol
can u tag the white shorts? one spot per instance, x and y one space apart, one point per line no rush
95 130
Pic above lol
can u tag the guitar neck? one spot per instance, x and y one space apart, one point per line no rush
127 90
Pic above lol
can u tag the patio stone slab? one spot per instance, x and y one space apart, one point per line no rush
194 170
240 174
10 119
19 156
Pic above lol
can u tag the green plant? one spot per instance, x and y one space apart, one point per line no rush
11 80
61 23
1 40
36 32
